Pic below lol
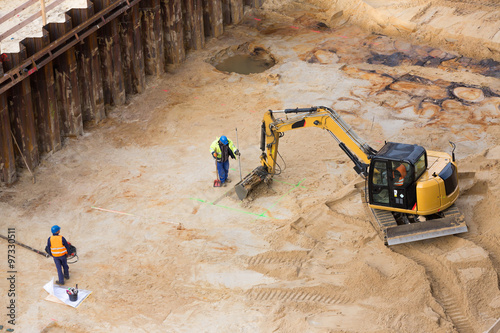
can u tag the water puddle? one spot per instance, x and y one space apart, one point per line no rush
243 59
244 64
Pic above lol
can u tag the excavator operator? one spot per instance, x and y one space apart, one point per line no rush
399 174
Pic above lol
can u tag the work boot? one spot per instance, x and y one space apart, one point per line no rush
66 276
59 283
224 184
228 180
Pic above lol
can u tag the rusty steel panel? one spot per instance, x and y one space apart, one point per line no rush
108 38
134 76
254 3
67 87
44 98
7 158
89 70
232 11
22 119
173 27
226 12
213 21
194 35
236 11
152 37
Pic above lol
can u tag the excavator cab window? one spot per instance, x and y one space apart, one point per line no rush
380 190
392 183
420 166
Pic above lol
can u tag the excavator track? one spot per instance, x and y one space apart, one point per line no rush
391 233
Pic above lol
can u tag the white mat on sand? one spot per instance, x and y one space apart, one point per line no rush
58 294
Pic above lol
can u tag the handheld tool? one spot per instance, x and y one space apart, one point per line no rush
217 182
238 148
27 247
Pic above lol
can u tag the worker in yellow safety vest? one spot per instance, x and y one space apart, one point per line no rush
58 248
221 149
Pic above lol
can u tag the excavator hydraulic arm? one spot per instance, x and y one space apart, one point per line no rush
273 129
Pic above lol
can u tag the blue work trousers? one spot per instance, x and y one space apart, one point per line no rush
223 169
62 262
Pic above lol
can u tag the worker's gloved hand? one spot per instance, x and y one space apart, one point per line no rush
237 152
214 154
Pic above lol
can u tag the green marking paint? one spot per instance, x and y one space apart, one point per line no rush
287 193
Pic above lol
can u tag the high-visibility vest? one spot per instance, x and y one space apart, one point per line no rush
56 246
215 147
402 172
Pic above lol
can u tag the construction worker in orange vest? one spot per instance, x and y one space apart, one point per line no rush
58 248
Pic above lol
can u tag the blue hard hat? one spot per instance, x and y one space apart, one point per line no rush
224 140
55 229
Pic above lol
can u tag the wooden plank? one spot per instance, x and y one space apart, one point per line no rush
29 20
44 15
17 10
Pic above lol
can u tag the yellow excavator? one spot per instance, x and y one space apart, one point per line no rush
410 192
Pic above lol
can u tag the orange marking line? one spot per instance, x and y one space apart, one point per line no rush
112 211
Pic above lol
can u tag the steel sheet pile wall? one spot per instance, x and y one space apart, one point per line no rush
74 88
67 85
44 98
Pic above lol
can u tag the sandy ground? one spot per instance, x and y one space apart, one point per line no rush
173 254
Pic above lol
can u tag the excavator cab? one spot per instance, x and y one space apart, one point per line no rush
411 193
393 174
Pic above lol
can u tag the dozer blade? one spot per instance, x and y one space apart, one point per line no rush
452 223
250 181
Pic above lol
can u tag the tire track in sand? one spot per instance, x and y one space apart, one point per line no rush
444 289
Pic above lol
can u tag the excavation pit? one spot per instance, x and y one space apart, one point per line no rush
243 59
